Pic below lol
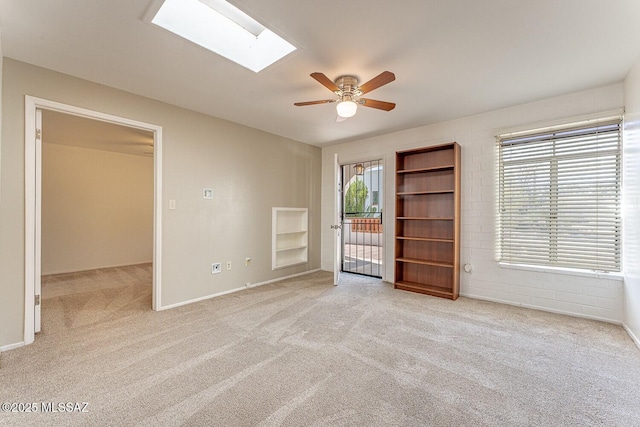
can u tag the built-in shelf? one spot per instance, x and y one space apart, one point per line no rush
428 220
293 248
289 237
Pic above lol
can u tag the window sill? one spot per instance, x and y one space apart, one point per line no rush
567 271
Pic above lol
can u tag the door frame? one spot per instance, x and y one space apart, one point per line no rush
32 195
337 220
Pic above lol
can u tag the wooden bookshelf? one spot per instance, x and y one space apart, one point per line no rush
427 246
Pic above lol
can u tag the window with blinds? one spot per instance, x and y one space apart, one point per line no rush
559 197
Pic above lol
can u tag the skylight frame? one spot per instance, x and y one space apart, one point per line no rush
223 29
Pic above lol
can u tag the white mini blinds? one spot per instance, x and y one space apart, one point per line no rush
559 197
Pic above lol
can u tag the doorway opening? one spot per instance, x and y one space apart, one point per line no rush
362 201
34 108
96 219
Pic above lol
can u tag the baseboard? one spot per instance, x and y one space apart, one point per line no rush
194 300
634 338
11 346
49 273
219 294
304 273
548 310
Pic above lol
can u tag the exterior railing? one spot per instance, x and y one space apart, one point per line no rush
366 225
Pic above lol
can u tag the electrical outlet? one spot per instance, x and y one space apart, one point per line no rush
228 265
216 268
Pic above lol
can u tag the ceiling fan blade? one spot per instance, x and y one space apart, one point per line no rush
324 81
380 105
380 80
324 101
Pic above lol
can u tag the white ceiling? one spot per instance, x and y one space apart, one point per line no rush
451 58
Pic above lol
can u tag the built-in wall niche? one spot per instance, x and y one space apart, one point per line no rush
290 237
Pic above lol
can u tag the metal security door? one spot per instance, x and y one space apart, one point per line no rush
362 239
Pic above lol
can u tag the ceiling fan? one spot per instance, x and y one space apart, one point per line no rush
349 93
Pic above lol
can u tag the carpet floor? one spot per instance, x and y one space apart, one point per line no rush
301 352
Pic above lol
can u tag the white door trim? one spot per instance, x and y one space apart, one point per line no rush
32 214
37 284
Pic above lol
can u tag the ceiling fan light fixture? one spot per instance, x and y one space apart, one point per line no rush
346 108
349 93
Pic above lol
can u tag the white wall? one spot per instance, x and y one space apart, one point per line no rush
631 197
599 298
97 209
249 171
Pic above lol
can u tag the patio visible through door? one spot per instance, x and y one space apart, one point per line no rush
362 250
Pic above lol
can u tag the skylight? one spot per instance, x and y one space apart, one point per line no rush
224 29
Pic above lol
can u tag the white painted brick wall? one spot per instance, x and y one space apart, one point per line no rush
593 297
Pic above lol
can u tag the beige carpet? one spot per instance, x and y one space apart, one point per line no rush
304 353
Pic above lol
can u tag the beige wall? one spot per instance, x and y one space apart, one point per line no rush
631 197
97 209
249 171
1 56
588 296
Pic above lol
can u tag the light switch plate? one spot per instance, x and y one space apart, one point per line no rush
172 204
207 193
